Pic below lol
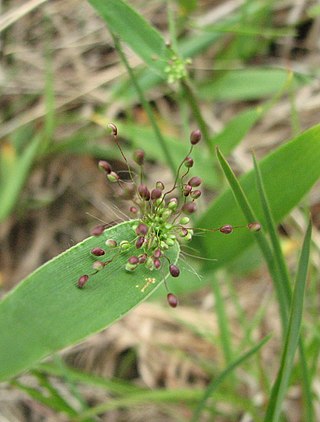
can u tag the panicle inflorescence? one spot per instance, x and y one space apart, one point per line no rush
160 216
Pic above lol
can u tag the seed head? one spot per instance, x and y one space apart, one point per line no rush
174 270
133 210
142 258
195 194
144 192
113 177
105 166
173 204
172 300
111 243
254 227
157 263
97 251
156 193
133 260
157 253
195 136
195 181
186 190
142 229
189 207
159 185
140 242
98 230
138 156
82 281
188 162
227 229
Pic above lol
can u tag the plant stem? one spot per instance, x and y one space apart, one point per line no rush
145 105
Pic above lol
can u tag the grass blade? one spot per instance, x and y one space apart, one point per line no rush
217 381
292 338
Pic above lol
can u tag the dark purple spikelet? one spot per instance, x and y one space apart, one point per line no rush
156 193
157 253
189 208
195 194
98 230
254 227
142 229
195 181
144 192
227 229
97 251
138 156
133 210
188 162
133 260
140 242
82 281
174 270
187 190
157 263
195 136
172 300
105 166
142 258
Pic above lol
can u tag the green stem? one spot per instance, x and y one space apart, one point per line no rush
193 103
145 105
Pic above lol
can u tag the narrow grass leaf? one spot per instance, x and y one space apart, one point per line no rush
132 28
288 174
292 338
47 312
214 384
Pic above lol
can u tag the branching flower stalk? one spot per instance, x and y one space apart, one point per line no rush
160 216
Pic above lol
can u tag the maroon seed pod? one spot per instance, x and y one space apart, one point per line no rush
140 242
105 166
227 229
144 192
186 190
133 260
133 210
195 181
97 251
254 227
188 162
172 300
195 194
157 253
142 229
156 193
82 281
98 230
157 263
138 156
184 232
174 270
195 136
189 208
142 258
160 185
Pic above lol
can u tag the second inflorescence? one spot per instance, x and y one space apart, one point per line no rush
160 216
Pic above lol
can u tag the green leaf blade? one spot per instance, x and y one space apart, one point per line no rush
284 189
47 312
132 28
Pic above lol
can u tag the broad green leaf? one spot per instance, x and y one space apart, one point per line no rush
248 84
47 312
288 174
134 30
293 334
